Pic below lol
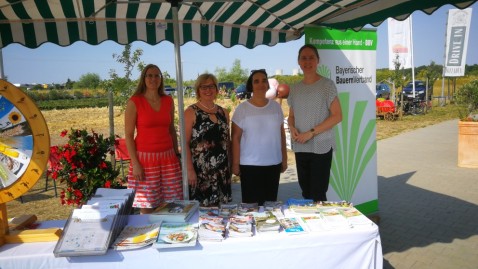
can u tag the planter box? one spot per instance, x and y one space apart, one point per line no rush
468 144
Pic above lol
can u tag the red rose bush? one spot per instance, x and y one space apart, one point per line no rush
82 165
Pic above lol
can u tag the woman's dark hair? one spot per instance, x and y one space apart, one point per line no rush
308 46
141 88
249 80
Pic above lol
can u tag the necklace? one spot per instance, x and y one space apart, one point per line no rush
208 108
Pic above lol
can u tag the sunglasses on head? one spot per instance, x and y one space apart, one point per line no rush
257 70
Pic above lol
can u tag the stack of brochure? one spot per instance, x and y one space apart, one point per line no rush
228 210
211 228
174 211
266 222
92 229
239 226
246 209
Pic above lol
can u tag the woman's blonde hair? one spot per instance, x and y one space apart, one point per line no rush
201 79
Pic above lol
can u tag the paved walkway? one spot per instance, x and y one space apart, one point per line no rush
428 206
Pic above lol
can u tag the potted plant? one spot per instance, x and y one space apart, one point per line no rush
467 96
83 166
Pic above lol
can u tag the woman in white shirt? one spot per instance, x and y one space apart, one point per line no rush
259 152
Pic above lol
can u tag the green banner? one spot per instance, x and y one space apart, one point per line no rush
329 39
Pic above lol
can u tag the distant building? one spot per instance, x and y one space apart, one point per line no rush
278 72
295 71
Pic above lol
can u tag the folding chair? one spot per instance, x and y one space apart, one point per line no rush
121 154
53 164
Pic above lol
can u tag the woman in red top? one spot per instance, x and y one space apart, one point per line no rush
155 170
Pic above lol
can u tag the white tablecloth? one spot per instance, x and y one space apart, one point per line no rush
358 247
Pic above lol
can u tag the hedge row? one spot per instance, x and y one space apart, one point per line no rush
72 103
44 95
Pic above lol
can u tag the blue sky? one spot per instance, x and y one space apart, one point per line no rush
54 64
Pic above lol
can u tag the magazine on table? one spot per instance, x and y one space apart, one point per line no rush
291 225
208 211
334 204
273 205
266 222
86 232
177 235
92 229
211 228
137 236
240 226
314 222
355 217
334 219
228 210
247 208
295 201
174 211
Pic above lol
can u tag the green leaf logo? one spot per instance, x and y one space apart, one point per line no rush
354 150
324 71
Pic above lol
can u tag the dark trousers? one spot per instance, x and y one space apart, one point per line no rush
313 171
259 183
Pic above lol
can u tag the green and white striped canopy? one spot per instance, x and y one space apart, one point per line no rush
248 22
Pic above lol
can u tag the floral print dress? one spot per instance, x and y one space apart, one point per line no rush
209 151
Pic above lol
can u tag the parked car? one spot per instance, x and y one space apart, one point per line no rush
241 92
228 87
382 90
169 90
420 89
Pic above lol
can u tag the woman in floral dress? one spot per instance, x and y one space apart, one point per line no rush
207 134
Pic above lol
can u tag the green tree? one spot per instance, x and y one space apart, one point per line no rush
431 73
89 81
289 80
69 84
236 74
123 87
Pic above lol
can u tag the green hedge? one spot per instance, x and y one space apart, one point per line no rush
72 103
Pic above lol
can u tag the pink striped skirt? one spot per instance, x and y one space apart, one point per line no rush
163 179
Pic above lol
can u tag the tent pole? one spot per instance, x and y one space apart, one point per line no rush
2 74
179 86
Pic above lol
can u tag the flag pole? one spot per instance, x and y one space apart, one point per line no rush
442 100
411 50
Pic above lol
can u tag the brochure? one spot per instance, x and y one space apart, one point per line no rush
137 236
177 235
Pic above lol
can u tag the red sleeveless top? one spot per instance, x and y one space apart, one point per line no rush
152 127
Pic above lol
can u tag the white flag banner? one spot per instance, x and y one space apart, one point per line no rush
399 43
457 31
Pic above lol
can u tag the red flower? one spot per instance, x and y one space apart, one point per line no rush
63 133
83 167
78 194
73 178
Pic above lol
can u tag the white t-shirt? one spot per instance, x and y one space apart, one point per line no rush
261 133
